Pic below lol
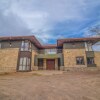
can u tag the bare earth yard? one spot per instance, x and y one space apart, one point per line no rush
67 86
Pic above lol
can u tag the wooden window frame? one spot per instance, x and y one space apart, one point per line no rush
93 60
80 63
23 46
27 63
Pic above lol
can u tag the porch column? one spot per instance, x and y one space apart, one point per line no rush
56 64
44 64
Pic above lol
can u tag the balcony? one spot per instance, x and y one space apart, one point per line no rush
89 53
53 53
50 51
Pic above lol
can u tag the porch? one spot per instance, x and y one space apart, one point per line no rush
49 61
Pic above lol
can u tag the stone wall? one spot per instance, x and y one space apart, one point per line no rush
56 64
97 58
8 59
44 64
70 57
33 67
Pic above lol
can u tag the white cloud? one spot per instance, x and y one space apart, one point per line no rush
39 17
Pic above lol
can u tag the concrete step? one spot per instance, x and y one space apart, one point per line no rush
81 69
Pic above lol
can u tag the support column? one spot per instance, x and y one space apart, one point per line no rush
56 64
44 64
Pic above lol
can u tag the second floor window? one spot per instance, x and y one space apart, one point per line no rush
50 51
88 46
25 46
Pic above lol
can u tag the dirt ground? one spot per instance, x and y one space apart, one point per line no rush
66 86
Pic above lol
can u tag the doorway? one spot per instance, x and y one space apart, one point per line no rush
50 64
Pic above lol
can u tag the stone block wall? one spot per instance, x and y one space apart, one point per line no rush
70 57
97 58
33 67
8 59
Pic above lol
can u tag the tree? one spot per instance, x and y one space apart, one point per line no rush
96 30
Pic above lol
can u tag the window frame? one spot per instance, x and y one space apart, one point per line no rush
24 64
26 46
90 63
51 51
80 63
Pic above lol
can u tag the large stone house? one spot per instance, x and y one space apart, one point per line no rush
26 53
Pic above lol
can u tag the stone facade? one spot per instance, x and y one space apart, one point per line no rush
97 59
29 49
44 64
8 59
33 66
70 57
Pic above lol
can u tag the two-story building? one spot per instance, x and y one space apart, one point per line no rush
26 53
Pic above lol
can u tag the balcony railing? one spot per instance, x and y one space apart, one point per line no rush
56 51
90 53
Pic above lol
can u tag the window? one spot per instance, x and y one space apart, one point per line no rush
88 46
80 60
26 46
24 64
90 60
50 51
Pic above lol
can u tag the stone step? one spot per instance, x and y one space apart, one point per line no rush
81 69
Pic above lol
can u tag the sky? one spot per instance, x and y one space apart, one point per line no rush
49 20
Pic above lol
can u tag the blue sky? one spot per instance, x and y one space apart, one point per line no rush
49 20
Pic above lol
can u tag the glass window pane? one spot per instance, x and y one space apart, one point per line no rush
24 61
29 61
21 61
20 67
90 60
79 60
50 51
24 67
25 46
27 68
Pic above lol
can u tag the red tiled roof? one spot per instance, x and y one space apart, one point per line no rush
49 46
61 41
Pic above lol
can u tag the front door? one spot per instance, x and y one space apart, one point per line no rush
50 64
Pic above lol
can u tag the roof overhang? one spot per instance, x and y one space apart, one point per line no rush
60 42
15 38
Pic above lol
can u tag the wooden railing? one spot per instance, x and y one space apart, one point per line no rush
50 52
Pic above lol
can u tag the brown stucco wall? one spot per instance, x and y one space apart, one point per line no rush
8 59
70 57
97 59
